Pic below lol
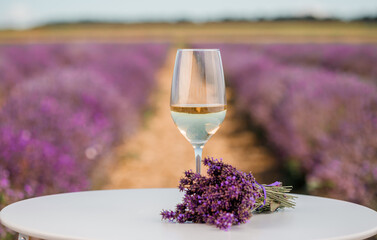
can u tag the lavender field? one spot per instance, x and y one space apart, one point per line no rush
317 104
63 107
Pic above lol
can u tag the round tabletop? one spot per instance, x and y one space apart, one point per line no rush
135 214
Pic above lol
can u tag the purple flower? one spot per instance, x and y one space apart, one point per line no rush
224 221
225 198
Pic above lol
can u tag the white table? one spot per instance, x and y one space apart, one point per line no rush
134 214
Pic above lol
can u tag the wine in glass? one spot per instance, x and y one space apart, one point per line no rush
198 101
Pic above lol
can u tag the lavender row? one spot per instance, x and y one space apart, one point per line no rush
127 67
64 107
324 120
358 59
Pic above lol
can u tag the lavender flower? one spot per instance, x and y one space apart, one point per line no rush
225 198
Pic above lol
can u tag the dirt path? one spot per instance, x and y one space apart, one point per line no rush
158 154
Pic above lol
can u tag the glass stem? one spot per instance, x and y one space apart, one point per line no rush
198 156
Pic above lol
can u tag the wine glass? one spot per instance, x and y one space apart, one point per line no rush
197 100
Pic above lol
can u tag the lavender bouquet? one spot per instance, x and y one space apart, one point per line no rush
226 197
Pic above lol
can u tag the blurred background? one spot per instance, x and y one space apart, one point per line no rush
85 90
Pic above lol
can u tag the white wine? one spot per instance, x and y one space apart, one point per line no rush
198 122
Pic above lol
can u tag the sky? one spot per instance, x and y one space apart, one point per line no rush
21 14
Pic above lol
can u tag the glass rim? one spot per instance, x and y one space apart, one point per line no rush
198 50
